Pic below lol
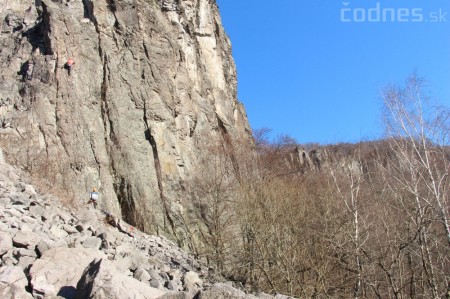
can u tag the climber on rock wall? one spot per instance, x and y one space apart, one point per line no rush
69 64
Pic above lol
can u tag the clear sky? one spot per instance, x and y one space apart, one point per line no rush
314 69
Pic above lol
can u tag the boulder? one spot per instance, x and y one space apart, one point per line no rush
29 190
6 243
21 252
70 229
25 261
37 211
59 269
128 258
192 282
8 174
50 213
65 217
25 227
164 277
107 240
141 275
155 283
92 242
225 291
13 283
58 232
101 280
9 260
26 239
75 240
87 216
14 213
43 246
20 199
172 285
174 275
179 295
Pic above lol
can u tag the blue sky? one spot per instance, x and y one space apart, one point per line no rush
314 69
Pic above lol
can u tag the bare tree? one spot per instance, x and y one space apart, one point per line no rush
348 182
418 133
212 194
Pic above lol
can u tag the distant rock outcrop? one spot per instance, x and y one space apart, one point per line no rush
152 87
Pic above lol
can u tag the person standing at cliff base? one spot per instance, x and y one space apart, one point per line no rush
93 197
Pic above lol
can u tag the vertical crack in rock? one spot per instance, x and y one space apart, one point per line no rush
45 141
107 123
228 147
88 6
113 8
58 127
146 51
56 71
126 201
149 137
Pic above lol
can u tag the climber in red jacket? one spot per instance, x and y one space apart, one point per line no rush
69 64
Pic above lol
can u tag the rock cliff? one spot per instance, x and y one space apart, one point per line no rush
152 87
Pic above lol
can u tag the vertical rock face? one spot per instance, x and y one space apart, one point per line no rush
153 85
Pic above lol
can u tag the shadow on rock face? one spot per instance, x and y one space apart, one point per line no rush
86 283
67 292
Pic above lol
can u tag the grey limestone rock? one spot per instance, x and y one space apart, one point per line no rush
14 213
29 190
37 211
92 242
225 291
60 267
26 261
58 232
152 87
5 243
65 217
172 285
69 229
13 283
42 247
9 260
178 295
21 252
155 283
141 275
101 280
26 239
192 282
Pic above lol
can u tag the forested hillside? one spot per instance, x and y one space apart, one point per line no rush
364 220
